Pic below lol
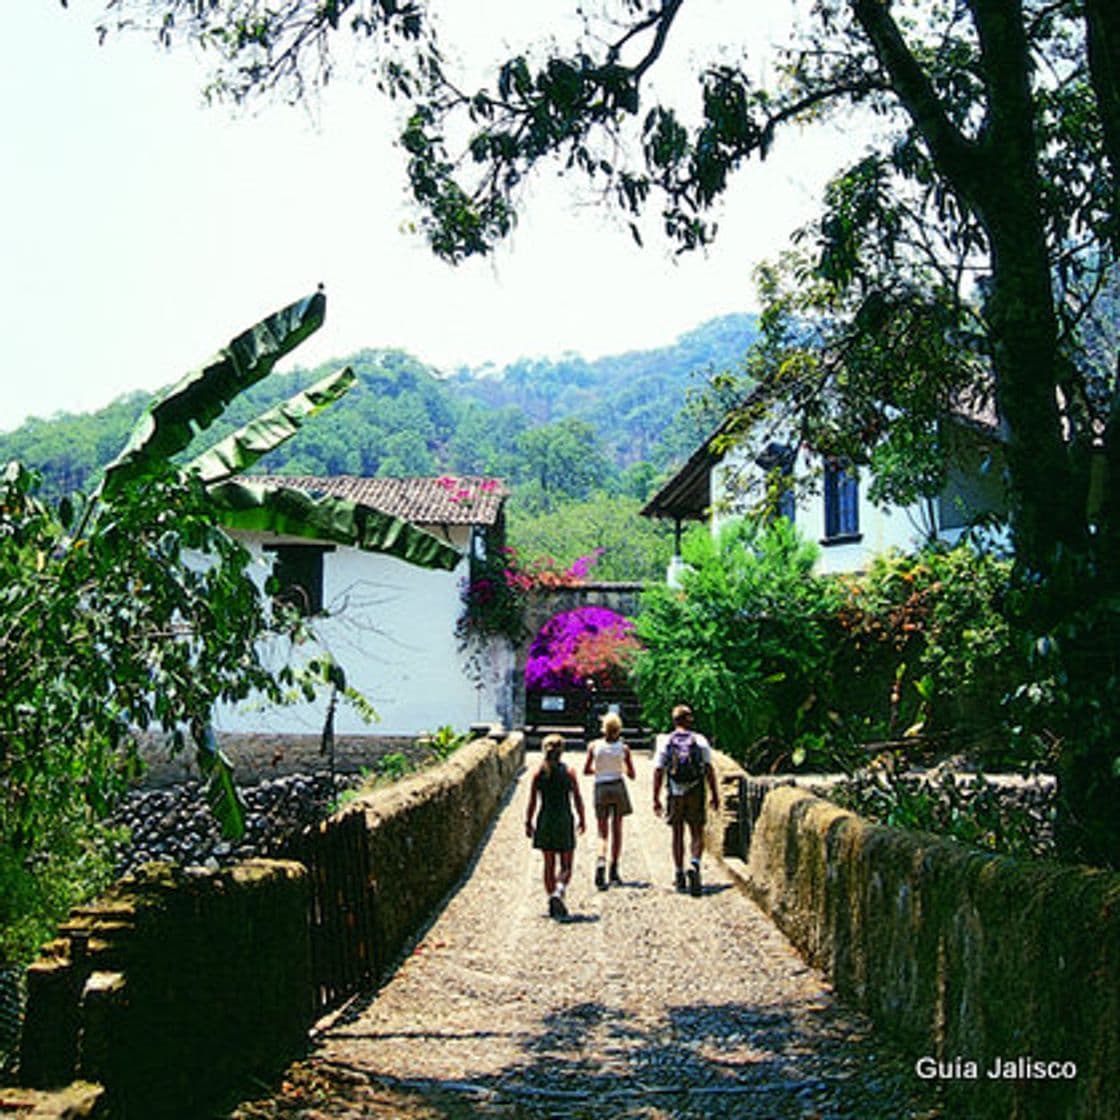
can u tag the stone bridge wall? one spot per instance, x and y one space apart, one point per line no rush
970 959
175 985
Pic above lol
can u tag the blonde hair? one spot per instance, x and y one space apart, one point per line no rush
612 725
552 747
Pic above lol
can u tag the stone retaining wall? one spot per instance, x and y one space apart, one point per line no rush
424 830
175 985
969 959
259 757
1027 801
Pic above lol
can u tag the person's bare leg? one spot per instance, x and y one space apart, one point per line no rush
696 849
557 907
678 845
696 840
603 823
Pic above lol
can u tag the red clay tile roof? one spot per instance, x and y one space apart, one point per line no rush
459 500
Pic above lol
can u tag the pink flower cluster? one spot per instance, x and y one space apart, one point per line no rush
545 572
460 491
580 567
494 601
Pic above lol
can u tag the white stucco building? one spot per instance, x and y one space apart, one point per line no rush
389 623
834 509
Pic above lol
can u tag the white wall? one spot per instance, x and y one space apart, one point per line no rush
391 625
880 529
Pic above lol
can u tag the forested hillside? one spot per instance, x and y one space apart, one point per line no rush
404 418
567 434
636 394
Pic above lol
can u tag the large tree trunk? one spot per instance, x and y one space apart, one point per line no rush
1049 493
1048 510
1047 501
1102 19
996 173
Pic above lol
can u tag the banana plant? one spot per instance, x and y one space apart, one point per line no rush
198 399
171 423
268 431
272 507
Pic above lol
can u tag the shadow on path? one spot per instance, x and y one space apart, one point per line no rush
707 1059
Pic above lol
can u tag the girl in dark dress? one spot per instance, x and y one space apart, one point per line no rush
556 789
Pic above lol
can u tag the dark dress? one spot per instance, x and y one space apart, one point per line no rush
555 831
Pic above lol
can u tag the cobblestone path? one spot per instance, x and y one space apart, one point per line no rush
645 1003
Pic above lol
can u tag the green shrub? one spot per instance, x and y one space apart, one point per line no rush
926 646
393 766
748 641
37 890
790 669
443 742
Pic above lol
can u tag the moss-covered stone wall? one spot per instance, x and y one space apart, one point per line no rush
424 830
175 985
979 964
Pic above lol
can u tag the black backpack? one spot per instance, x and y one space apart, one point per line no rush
685 759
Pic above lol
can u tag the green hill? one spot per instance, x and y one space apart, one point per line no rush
634 396
405 418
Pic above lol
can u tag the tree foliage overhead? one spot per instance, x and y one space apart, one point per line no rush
995 171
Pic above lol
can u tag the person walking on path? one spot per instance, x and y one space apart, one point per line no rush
609 759
685 757
556 788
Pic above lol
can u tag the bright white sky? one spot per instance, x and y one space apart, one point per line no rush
140 230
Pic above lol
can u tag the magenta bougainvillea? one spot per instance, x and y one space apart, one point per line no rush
590 645
494 598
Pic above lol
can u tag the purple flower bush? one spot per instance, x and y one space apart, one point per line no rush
587 644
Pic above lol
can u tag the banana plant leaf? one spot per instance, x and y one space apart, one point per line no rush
255 506
268 431
196 401
223 797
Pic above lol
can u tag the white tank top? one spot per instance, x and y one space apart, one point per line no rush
609 760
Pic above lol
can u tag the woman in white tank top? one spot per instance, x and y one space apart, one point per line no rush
609 759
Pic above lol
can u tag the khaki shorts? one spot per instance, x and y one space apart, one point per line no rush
688 807
612 795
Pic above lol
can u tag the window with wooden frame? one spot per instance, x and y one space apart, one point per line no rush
297 576
841 503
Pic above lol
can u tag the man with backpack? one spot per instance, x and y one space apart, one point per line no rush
684 757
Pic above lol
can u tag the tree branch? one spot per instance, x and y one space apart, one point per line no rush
955 152
664 22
